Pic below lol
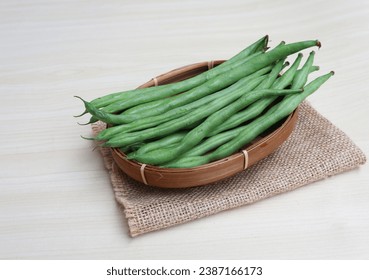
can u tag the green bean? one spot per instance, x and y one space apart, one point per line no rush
162 142
222 81
302 76
255 64
171 89
210 143
259 45
259 106
226 95
196 135
151 105
187 162
213 142
312 69
174 125
256 108
138 112
90 121
282 109
166 141
176 112
298 77
142 123
216 140
109 132
150 108
255 128
117 103
143 109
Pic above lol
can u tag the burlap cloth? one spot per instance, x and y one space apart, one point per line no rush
315 150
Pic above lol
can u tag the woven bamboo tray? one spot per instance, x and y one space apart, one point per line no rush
211 172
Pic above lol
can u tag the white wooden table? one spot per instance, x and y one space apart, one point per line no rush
55 196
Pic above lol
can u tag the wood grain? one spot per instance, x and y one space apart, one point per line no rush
56 201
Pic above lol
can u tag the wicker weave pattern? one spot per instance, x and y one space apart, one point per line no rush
315 150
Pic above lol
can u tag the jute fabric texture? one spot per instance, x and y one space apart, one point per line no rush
315 150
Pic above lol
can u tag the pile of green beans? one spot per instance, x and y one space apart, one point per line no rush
212 115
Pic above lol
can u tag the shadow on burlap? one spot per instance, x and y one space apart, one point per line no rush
315 150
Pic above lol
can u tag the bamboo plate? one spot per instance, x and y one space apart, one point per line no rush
211 172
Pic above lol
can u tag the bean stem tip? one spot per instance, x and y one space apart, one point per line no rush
84 101
318 44
80 115
87 138
84 123
266 41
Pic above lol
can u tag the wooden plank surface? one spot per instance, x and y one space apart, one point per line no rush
55 197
